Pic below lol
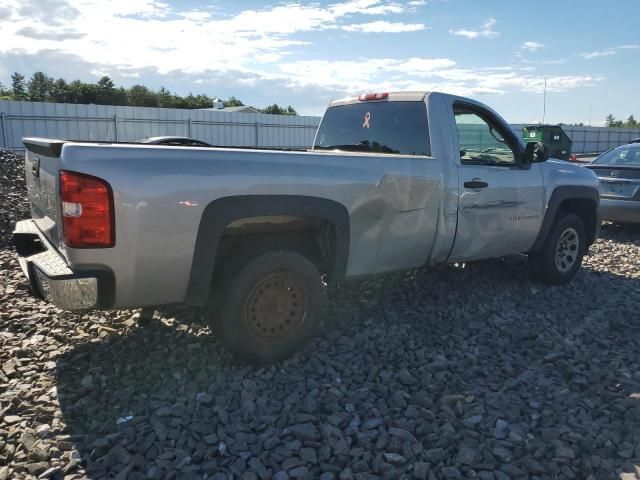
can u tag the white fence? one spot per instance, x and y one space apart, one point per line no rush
111 123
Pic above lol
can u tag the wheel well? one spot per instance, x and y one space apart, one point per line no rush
586 209
246 238
250 224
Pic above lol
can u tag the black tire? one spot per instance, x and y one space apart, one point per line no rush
268 306
561 255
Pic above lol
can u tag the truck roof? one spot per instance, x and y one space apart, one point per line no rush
415 96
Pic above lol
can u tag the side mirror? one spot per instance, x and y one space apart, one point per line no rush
536 152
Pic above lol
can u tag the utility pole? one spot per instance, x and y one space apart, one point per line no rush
590 108
544 101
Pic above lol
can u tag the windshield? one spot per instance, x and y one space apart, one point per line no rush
382 127
627 155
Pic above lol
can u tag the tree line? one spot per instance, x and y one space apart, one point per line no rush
42 88
631 122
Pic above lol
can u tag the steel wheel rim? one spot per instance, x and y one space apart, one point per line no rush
276 307
567 250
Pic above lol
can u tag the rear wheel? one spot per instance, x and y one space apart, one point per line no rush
270 306
561 255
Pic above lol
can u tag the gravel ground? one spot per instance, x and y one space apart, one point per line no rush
448 373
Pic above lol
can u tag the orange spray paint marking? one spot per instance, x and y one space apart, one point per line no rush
367 117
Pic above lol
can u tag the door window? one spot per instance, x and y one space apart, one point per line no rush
481 141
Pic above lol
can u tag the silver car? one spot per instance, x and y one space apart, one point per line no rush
619 173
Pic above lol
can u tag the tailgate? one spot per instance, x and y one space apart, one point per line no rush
42 164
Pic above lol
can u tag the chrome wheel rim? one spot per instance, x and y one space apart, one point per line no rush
567 250
276 307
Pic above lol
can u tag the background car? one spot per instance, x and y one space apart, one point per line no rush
175 141
619 173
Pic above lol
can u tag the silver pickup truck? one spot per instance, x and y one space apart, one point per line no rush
393 181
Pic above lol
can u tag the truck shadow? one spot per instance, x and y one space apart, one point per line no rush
556 363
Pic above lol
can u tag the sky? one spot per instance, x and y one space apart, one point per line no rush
307 53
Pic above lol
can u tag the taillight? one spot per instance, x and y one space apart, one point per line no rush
87 211
367 97
573 157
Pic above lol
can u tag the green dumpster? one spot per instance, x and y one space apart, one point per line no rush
552 136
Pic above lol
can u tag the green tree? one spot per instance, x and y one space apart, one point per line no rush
40 87
193 101
60 91
75 91
18 86
106 83
165 99
276 109
178 102
105 91
203 101
141 96
120 97
631 122
190 101
610 120
89 93
233 102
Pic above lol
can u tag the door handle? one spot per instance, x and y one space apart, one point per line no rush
476 183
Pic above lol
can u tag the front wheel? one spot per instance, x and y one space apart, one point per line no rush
270 306
561 255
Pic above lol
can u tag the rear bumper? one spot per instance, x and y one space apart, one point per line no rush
620 210
50 277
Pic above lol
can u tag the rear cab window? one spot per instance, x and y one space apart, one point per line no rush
398 128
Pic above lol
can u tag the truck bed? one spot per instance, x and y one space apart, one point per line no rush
161 194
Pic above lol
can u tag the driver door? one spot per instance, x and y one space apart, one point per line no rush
501 202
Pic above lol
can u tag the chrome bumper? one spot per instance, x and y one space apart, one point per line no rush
49 275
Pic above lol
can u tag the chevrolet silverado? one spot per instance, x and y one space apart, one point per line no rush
393 181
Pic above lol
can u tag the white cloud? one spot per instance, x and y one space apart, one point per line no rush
421 67
148 33
152 40
485 30
531 46
426 74
599 53
557 61
48 34
382 26
609 51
